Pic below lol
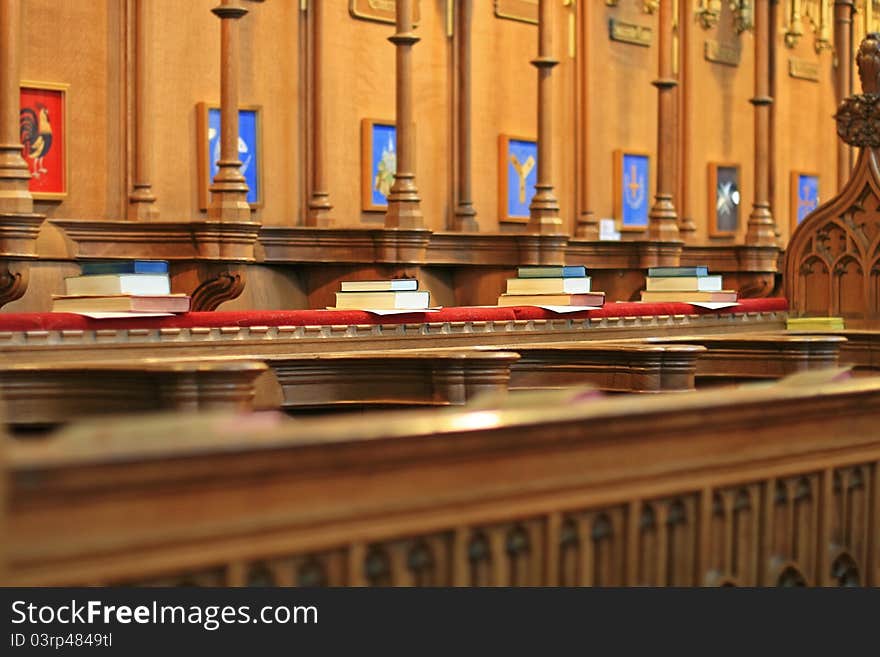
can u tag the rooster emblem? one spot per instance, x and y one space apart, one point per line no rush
36 136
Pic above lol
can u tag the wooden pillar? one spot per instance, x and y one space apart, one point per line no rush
761 228
464 218
229 189
544 209
587 225
682 71
843 47
663 220
14 173
404 204
141 200
319 200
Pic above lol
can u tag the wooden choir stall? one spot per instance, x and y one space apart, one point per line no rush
259 275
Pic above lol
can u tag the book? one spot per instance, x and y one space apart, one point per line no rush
720 296
659 272
403 300
392 285
684 283
572 271
125 267
99 284
588 299
127 303
548 285
815 324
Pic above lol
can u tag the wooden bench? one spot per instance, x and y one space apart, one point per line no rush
731 358
50 393
389 378
759 486
611 367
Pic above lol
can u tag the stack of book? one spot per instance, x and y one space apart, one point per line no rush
124 286
551 286
686 285
392 294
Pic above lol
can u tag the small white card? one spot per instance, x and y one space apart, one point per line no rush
121 315
390 311
713 305
608 230
567 309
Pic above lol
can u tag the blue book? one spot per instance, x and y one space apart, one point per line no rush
125 267
573 271
658 272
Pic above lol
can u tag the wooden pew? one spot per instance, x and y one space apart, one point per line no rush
51 393
389 378
733 358
611 367
764 485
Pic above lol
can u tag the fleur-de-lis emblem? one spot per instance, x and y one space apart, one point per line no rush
634 188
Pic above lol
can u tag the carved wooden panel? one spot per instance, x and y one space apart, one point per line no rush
833 261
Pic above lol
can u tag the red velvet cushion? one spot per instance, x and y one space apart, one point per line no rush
632 309
69 322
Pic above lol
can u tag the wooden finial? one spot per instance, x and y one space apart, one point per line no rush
858 117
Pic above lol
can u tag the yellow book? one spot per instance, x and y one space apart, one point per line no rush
815 324
588 299
721 296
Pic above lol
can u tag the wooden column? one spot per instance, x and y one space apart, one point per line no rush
464 218
843 47
14 173
319 200
229 189
141 200
587 225
761 228
686 226
404 204
544 209
663 220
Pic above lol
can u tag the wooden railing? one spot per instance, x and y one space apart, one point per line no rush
762 485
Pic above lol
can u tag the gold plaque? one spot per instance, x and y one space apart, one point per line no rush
803 69
381 11
722 53
518 10
639 35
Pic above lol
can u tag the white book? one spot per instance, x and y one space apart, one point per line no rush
392 285
103 284
383 300
684 284
580 285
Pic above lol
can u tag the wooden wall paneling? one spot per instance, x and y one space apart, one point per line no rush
81 44
14 173
464 217
319 205
761 230
544 208
719 70
803 100
663 219
629 95
141 201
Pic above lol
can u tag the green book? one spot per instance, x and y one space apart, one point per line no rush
678 271
574 271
